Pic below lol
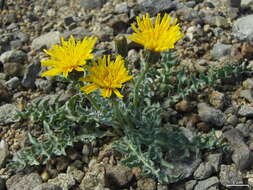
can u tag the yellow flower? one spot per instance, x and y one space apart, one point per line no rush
70 55
107 75
158 36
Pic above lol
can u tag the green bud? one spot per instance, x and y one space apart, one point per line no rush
121 46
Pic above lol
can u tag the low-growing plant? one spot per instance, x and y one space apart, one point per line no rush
132 114
175 84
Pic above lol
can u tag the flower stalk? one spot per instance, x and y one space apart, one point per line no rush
150 59
92 102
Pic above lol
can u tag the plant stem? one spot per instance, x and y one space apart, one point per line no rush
92 101
137 85
118 115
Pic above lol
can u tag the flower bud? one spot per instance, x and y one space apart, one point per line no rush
121 46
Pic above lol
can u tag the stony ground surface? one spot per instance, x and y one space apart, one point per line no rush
216 32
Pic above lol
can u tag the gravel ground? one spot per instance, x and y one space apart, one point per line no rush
217 32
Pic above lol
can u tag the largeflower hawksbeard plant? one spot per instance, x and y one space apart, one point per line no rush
126 116
69 56
158 36
107 75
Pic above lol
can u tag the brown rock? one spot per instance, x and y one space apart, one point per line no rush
203 127
146 184
13 69
62 164
94 177
217 99
247 50
183 106
4 93
119 175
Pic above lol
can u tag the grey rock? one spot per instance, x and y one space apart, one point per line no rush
189 185
12 26
121 8
190 4
215 160
2 184
61 3
94 177
12 69
230 175
65 181
246 111
46 40
207 184
100 187
104 33
220 50
247 4
189 14
242 156
27 182
235 138
47 186
30 75
162 187
119 175
243 128
204 170
243 28
92 4
155 6
13 180
7 113
248 83
78 33
218 21
13 56
4 152
16 44
21 36
76 174
184 169
211 115
232 120
11 18
247 94
232 3
13 83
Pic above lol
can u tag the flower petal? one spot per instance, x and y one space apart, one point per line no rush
116 91
89 88
51 72
106 92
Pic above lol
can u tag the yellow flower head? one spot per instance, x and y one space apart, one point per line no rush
158 36
70 55
107 75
